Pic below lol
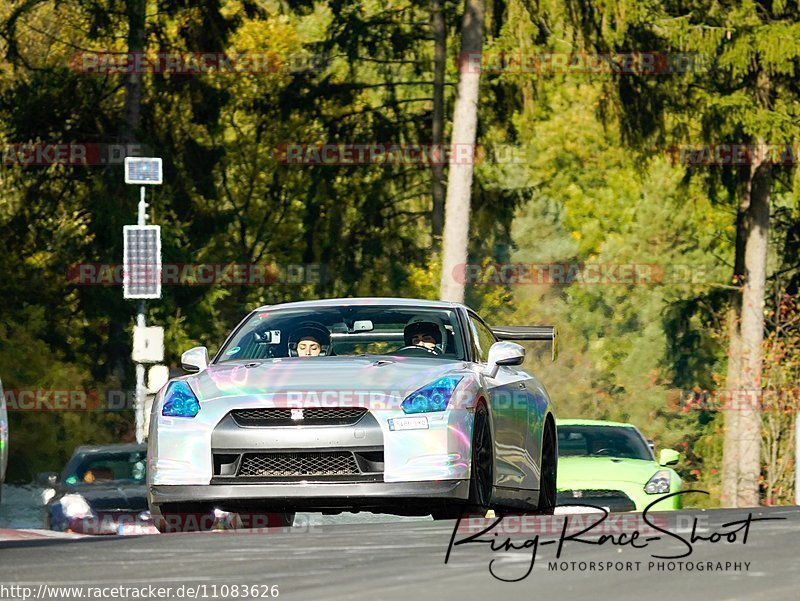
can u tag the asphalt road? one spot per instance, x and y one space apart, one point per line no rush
405 560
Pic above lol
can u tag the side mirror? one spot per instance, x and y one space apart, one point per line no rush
195 359
48 479
668 457
503 353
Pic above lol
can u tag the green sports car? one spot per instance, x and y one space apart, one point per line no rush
611 465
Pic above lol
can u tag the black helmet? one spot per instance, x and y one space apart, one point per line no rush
310 329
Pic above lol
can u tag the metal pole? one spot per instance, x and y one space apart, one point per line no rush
140 385
142 208
140 391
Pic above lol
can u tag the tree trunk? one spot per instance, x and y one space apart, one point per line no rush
136 11
459 180
755 259
439 66
730 451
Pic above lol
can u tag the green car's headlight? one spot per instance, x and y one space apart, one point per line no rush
658 484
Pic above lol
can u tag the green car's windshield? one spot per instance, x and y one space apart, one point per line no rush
349 330
602 441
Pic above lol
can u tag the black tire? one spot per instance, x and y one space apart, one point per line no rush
482 472
547 484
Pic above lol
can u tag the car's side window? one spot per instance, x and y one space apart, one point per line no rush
482 339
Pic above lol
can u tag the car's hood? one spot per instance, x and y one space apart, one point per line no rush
581 470
112 496
393 376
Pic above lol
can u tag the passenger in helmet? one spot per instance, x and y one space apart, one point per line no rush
309 339
308 346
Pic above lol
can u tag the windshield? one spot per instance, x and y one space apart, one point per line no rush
97 468
602 441
343 331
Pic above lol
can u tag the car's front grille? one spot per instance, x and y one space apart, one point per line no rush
612 500
315 416
328 463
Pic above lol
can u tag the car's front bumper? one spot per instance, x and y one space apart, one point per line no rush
313 495
182 451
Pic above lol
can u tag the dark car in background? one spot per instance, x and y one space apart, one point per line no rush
100 491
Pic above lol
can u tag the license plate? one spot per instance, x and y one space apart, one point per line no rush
408 423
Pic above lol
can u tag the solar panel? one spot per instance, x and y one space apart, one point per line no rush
141 263
141 170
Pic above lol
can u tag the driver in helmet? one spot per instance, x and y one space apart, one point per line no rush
426 332
310 339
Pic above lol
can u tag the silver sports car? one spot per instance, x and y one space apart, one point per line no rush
411 407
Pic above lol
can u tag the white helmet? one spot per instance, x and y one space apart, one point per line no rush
426 323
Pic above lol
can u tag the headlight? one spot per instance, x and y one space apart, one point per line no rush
47 494
75 506
179 401
433 397
658 484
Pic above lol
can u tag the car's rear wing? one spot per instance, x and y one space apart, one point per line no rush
517 333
